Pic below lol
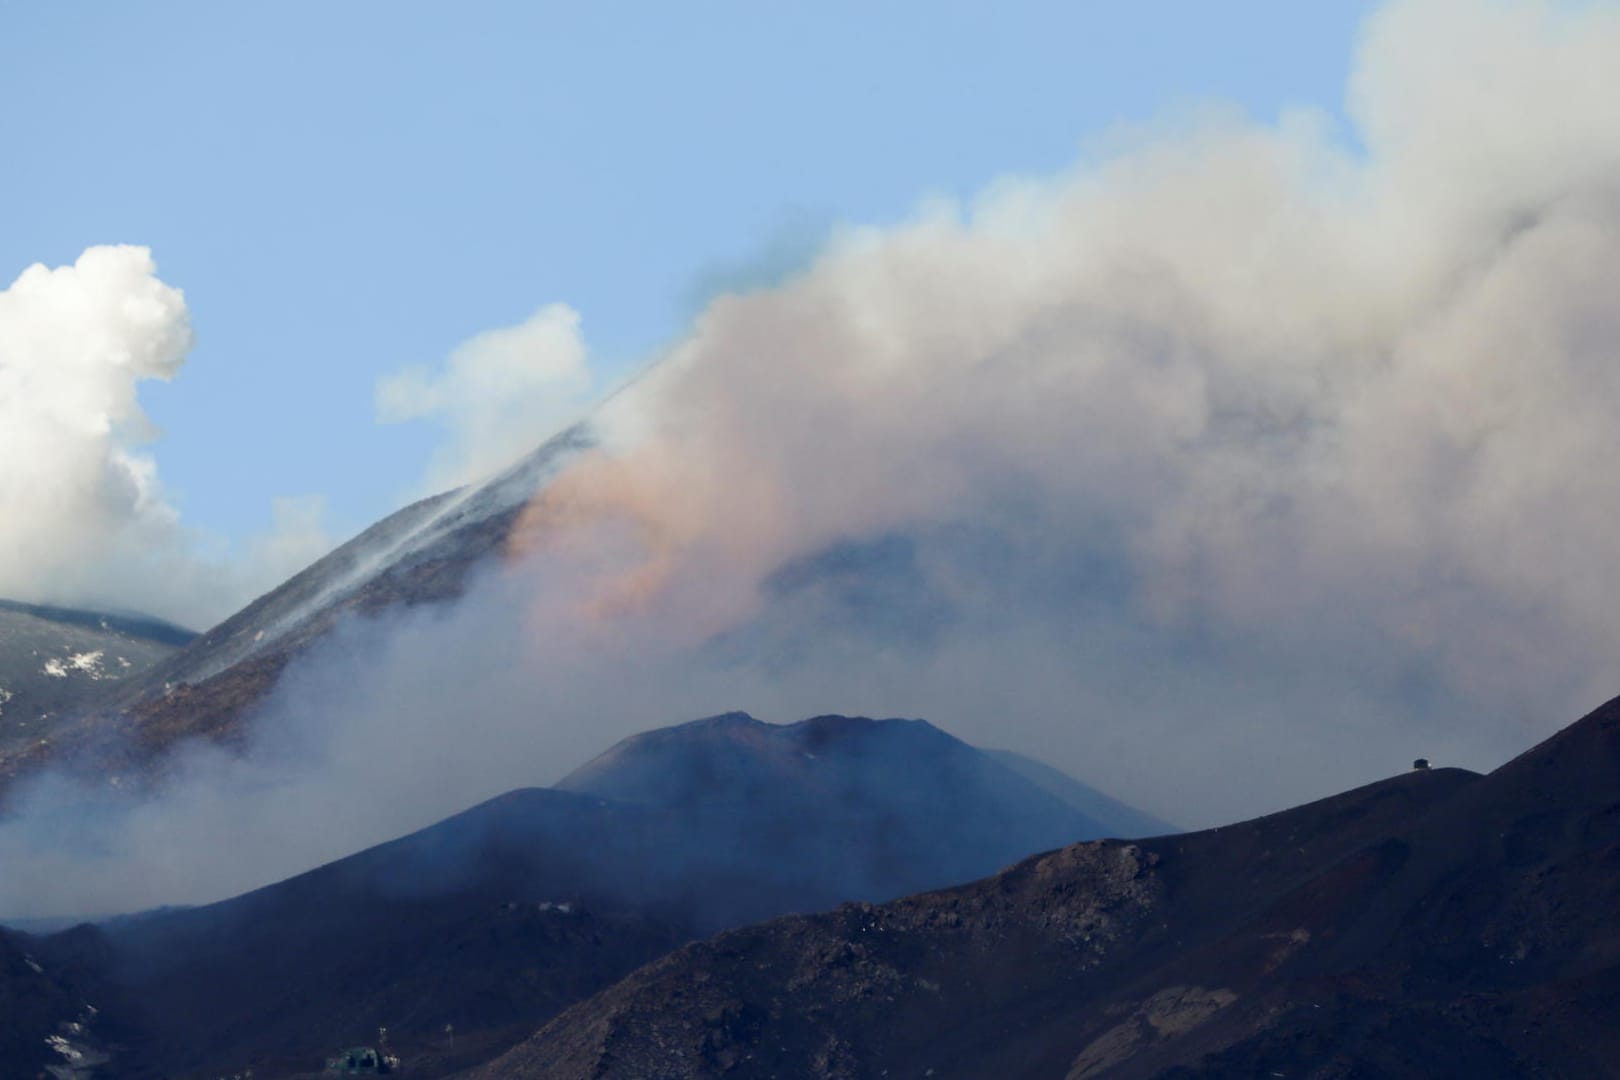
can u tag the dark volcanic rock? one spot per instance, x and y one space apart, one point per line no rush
901 984
1437 923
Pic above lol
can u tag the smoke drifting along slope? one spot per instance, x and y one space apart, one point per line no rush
1235 467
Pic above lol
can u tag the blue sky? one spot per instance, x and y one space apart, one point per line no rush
343 190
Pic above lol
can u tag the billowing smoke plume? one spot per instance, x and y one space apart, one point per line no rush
1234 467
1324 402
83 518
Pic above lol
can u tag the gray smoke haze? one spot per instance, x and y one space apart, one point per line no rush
1233 468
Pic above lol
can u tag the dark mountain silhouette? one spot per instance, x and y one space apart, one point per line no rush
1435 924
53 660
897 805
498 918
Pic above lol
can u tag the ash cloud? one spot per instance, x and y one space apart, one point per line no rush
83 515
1235 467
1299 400
1309 416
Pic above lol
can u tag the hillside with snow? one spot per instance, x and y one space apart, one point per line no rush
55 661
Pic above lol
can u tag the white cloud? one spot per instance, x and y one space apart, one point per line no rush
499 394
75 342
83 517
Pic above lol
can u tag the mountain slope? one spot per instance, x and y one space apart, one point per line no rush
498 918
422 554
54 660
